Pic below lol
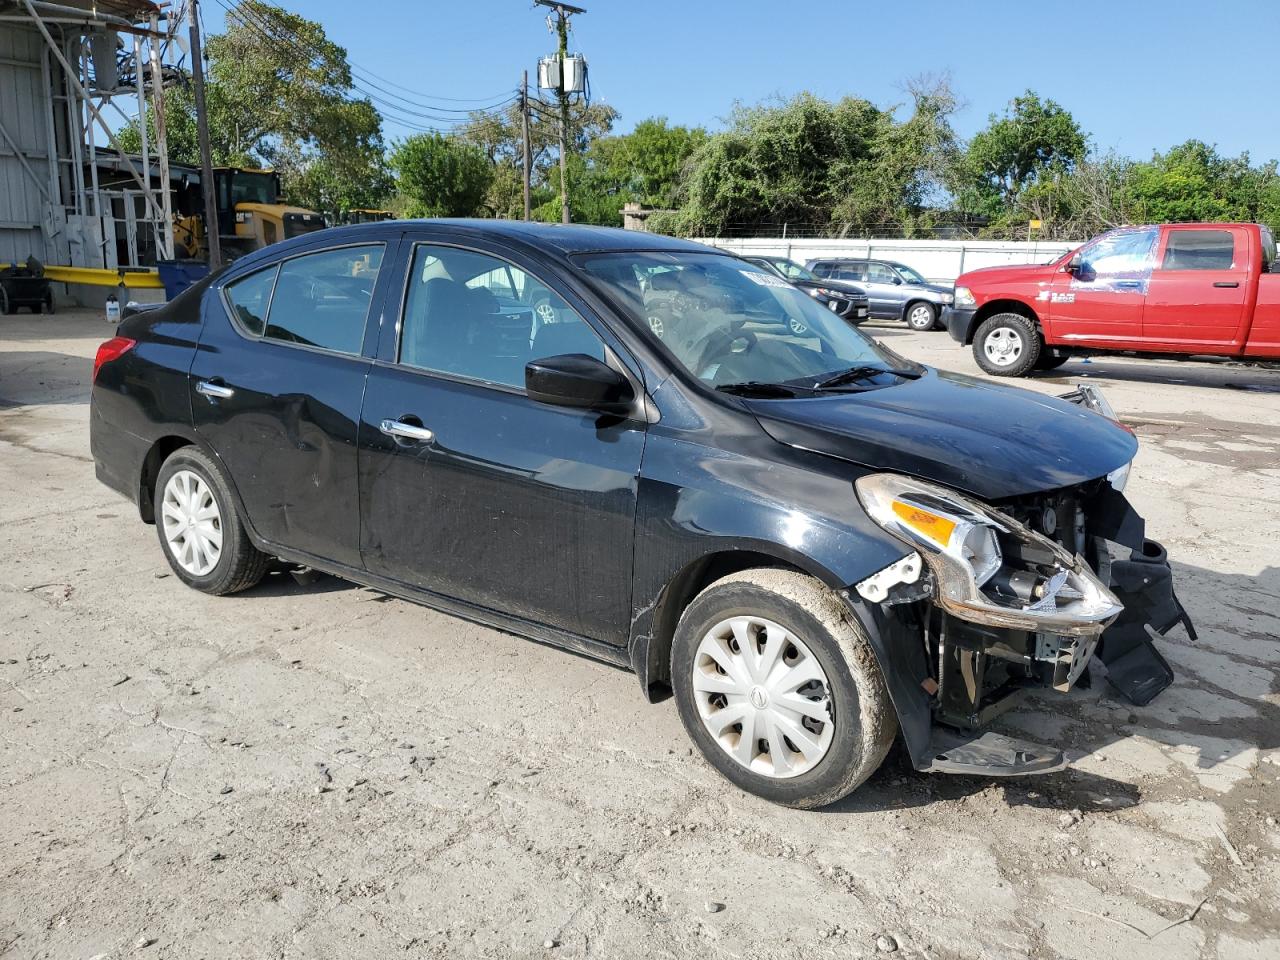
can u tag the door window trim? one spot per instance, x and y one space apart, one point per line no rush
384 242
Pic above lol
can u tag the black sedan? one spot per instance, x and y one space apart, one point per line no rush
845 300
814 543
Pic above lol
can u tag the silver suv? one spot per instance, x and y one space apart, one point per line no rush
894 290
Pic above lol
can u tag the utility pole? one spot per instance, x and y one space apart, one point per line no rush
162 139
526 156
562 27
202 130
562 13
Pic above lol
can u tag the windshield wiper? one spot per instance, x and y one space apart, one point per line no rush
864 372
756 388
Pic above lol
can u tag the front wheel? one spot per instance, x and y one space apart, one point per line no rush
202 536
1007 345
922 316
780 689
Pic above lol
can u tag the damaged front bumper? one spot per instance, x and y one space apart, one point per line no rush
978 663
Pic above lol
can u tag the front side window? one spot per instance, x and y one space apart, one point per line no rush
880 273
1122 257
472 315
249 297
322 299
730 322
1199 250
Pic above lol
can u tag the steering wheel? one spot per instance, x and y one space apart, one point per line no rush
725 343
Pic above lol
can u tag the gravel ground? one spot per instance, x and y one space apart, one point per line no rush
322 771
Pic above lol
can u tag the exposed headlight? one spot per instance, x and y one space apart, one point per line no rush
1031 583
964 298
946 297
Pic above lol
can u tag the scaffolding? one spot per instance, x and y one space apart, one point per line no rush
75 65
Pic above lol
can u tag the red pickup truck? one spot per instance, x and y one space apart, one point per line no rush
1185 289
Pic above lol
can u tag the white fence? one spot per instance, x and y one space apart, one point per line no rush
938 260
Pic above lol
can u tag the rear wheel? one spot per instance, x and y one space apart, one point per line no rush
922 316
201 534
5 306
49 304
780 689
1007 345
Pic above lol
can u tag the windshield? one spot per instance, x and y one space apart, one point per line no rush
792 270
253 188
908 274
731 322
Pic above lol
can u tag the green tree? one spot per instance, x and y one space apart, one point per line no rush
279 94
500 137
643 166
841 166
1034 139
439 176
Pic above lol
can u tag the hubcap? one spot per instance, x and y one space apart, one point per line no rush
921 316
763 697
192 523
656 325
798 328
1002 346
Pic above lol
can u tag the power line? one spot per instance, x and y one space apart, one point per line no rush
410 116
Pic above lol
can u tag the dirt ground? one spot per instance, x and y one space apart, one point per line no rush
322 771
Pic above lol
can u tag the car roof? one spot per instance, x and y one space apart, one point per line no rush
555 238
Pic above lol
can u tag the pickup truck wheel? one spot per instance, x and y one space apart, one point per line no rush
780 689
201 534
922 316
1007 345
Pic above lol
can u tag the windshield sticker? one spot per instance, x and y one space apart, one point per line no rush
764 279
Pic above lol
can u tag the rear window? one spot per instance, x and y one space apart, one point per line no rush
1199 250
249 297
321 299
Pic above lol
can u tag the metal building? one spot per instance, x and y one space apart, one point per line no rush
71 73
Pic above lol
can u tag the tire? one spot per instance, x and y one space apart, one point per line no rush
921 316
851 722
5 306
1007 345
238 565
50 304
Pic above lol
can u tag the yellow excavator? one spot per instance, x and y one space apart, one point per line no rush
250 215
369 216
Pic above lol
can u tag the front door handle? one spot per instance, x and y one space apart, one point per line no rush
406 431
216 390
1226 283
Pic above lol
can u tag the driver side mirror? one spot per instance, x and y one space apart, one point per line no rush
579 381
897 280
1075 263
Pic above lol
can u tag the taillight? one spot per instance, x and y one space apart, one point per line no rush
113 349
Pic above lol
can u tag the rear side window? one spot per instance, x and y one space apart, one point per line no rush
249 297
322 299
1199 250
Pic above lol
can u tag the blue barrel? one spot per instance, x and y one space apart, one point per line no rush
177 275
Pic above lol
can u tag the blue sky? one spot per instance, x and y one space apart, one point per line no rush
1137 76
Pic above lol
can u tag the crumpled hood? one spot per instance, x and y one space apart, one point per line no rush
987 439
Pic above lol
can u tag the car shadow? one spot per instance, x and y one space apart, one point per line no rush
1224 376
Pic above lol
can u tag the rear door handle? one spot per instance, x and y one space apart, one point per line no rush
215 390
1226 283
406 431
